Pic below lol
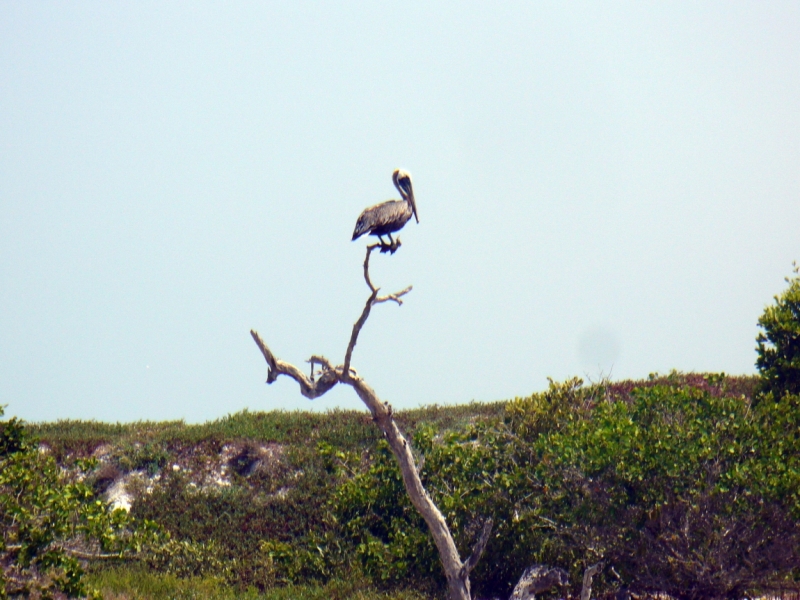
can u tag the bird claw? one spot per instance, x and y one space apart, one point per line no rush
391 247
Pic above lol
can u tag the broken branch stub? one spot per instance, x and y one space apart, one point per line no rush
588 576
537 579
478 548
457 573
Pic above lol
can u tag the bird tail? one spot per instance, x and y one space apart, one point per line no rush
360 230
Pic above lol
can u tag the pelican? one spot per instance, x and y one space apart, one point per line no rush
390 216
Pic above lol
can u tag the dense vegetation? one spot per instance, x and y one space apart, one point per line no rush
684 483
680 483
50 522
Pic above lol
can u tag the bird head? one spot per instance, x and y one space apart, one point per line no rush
402 181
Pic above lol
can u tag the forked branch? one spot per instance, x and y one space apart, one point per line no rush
309 388
397 295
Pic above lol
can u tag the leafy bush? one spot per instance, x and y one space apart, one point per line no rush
679 483
187 559
150 457
343 429
678 488
779 344
669 487
48 523
268 527
272 525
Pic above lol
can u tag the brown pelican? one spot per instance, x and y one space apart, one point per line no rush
387 217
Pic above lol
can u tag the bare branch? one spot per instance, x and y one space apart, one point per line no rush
309 389
537 579
320 360
588 575
394 297
448 552
477 550
357 329
79 553
383 248
373 299
98 555
272 368
366 267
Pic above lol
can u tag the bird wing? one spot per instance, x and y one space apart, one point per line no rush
380 215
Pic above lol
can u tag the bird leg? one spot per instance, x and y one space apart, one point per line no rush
392 246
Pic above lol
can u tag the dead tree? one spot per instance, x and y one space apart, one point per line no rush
456 571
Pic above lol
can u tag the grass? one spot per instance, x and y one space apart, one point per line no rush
137 584
347 430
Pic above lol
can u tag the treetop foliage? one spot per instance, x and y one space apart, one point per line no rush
778 345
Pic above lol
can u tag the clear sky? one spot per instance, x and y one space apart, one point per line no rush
601 187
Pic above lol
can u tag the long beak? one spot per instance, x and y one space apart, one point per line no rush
405 188
413 204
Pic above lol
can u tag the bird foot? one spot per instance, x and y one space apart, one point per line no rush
390 247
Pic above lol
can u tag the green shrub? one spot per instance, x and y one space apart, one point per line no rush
679 488
150 457
49 522
779 344
669 487
188 559
679 483
269 527
273 525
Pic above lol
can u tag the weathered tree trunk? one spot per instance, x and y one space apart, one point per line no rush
448 553
456 571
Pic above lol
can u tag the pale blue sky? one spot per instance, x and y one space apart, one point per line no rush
598 184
